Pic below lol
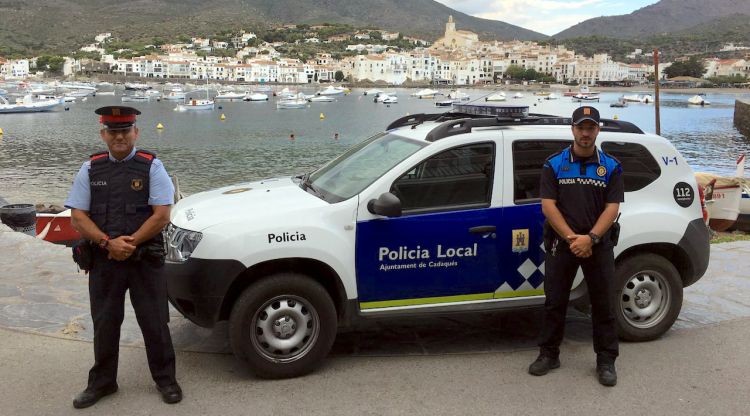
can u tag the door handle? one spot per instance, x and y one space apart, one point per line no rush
483 229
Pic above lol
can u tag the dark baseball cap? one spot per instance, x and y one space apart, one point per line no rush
585 113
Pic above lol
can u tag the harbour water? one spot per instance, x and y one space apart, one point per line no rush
40 153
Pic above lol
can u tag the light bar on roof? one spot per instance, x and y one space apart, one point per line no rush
506 111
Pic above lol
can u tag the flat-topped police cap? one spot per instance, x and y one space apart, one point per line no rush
116 117
585 113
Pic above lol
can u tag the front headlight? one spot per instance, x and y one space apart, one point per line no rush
180 243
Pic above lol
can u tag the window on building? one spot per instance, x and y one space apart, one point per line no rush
459 178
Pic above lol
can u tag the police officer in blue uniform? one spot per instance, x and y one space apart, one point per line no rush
581 191
120 201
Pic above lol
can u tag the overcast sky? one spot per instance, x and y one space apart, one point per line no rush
545 16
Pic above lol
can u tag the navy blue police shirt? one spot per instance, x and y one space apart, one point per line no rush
582 187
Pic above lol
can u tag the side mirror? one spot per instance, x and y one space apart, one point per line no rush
387 205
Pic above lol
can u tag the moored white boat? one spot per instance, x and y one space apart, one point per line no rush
380 97
726 194
698 100
498 96
285 93
647 99
633 98
195 105
174 95
136 86
373 91
138 96
585 97
28 105
583 90
321 99
292 103
426 93
331 90
256 96
230 95
390 99
458 96
518 95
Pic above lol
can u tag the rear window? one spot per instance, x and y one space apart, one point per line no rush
638 164
528 160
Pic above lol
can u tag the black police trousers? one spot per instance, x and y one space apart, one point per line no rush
560 267
108 281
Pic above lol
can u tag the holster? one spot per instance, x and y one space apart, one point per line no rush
548 235
151 252
614 233
83 255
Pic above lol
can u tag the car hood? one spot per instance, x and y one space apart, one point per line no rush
242 202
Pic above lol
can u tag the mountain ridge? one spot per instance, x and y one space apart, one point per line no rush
665 16
35 25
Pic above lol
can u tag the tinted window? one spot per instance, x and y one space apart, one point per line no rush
528 160
458 178
639 167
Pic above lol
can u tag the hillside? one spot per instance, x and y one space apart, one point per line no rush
666 16
704 39
62 25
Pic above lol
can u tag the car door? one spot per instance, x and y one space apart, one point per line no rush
442 249
520 244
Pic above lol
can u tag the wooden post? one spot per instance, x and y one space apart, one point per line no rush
656 94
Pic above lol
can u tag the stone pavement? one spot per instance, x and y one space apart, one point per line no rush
42 292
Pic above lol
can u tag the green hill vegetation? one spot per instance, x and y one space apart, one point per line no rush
701 40
60 26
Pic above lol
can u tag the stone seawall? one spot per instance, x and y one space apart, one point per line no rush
742 117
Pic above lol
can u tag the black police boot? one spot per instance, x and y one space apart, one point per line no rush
607 374
543 364
171 394
89 397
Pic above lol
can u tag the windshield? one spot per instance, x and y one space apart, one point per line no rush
360 166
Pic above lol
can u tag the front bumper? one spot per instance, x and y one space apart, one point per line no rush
197 287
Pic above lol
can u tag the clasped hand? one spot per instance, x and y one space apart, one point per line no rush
121 248
580 245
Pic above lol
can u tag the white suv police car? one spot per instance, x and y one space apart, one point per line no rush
438 214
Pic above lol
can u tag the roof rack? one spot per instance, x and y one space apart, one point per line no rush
481 115
465 125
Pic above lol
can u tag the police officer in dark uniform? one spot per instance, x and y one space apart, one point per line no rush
120 201
581 191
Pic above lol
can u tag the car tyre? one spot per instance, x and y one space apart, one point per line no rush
648 297
283 325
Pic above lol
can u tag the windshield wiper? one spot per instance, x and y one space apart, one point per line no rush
306 184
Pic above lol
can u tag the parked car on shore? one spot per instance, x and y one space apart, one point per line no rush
438 214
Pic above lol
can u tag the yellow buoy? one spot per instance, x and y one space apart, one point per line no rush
159 126
1 131
615 117
222 117
322 116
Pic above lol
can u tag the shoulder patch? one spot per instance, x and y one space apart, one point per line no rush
99 155
145 155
